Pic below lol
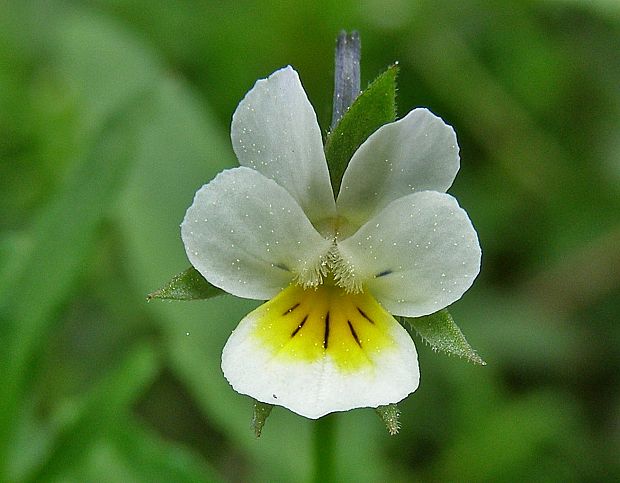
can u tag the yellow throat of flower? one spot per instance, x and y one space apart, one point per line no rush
307 324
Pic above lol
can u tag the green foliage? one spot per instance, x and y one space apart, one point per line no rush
112 114
59 241
119 388
187 285
373 108
149 457
441 332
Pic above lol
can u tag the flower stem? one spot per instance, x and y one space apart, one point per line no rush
346 74
323 447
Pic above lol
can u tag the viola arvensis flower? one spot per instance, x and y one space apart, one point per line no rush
333 270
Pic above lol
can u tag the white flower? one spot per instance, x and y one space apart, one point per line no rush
333 270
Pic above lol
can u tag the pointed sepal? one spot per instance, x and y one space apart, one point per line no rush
441 332
260 414
373 108
390 415
187 285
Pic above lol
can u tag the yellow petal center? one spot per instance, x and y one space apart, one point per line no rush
310 323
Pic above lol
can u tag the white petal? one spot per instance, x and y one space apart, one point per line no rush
417 256
416 153
246 234
282 354
275 131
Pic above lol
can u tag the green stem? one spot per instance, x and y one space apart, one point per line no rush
324 449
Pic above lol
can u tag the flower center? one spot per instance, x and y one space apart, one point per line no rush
331 267
309 324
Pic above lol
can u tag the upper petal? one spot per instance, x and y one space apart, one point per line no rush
247 235
275 131
417 256
416 153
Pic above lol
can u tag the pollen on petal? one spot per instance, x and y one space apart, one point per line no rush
310 273
343 271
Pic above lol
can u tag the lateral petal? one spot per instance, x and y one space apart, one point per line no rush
417 256
248 236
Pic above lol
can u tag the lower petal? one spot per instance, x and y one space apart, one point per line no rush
316 351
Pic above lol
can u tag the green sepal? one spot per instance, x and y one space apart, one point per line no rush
372 109
259 416
187 285
441 332
390 415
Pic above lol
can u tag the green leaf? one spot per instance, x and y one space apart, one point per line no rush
372 109
149 457
118 388
187 285
60 239
441 332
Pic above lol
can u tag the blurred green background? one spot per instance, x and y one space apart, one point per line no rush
112 114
